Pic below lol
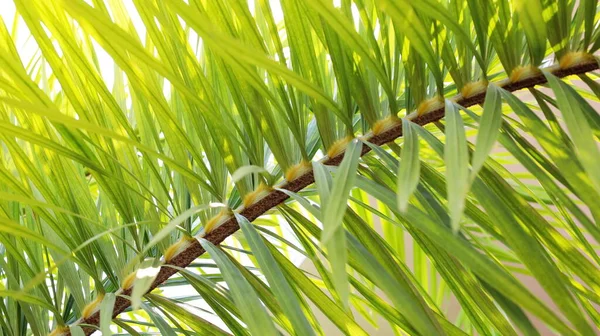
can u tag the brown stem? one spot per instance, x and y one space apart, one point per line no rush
275 198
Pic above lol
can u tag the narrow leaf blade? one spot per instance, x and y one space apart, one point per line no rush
255 316
572 108
457 160
279 285
489 128
408 171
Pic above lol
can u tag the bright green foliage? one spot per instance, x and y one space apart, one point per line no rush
127 125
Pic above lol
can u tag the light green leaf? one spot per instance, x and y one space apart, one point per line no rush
239 52
480 264
119 119
489 128
27 298
530 16
408 171
323 181
76 331
346 32
334 209
560 150
106 311
184 313
282 290
253 312
244 171
145 275
159 321
409 23
333 311
166 231
398 294
590 7
573 109
457 161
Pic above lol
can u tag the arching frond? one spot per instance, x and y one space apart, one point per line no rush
397 167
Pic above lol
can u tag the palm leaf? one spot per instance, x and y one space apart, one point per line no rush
137 135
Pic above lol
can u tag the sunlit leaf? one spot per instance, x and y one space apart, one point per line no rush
489 128
244 296
457 159
573 110
408 171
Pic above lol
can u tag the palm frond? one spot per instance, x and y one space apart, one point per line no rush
136 135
